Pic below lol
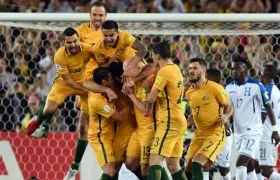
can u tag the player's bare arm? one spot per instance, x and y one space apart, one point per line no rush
94 87
141 105
151 98
121 115
228 110
275 135
190 121
70 82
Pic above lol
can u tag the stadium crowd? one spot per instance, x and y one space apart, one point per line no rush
144 6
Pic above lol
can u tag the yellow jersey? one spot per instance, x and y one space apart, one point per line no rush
205 104
74 65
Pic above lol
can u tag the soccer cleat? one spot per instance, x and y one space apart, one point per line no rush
41 132
71 174
32 126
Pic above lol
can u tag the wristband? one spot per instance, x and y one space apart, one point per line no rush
274 128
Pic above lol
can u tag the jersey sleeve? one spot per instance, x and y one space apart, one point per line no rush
221 95
161 80
263 94
79 30
128 39
60 63
103 107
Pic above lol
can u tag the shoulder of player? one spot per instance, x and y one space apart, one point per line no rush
214 85
61 51
85 45
97 97
83 26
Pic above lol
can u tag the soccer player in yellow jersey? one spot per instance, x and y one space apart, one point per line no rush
206 100
168 140
119 43
101 131
70 60
90 32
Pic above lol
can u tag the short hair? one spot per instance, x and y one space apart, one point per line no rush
214 74
116 69
163 49
177 61
101 73
201 61
271 71
242 58
70 32
97 4
110 24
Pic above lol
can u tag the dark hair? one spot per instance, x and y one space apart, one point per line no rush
97 4
162 49
116 69
242 58
201 61
110 24
214 74
177 61
271 71
70 32
101 73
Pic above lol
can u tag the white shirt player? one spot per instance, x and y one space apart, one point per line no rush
247 100
274 95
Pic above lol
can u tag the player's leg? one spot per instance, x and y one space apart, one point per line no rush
268 160
194 147
120 143
133 153
247 147
54 98
206 170
211 147
223 159
258 170
82 141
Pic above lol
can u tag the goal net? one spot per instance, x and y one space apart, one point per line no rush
28 42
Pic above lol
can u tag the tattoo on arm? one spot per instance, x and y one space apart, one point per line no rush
140 48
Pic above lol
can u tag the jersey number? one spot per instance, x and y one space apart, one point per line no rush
146 150
249 144
239 103
198 109
262 153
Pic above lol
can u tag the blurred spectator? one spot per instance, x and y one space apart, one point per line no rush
58 6
47 64
40 87
169 6
6 78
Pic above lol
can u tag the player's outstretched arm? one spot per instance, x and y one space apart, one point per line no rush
140 105
94 87
70 82
121 115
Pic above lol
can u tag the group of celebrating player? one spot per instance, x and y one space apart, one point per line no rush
131 109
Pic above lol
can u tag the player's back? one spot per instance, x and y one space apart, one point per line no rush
88 34
274 95
100 125
205 106
75 65
170 98
247 100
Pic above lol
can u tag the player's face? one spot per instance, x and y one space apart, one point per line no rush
97 16
109 82
196 71
110 36
72 43
238 71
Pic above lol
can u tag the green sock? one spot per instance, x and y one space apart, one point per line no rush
197 171
42 117
80 149
154 172
145 177
188 175
180 175
164 175
116 176
105 177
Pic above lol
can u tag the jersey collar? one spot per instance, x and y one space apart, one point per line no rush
246 80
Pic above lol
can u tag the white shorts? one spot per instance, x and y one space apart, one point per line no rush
248 145
223 159
268 154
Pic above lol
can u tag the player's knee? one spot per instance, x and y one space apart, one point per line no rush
50 108
156 159
109 169
173 165
132 163
144 169
242 161
224 171
207 167
266 171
